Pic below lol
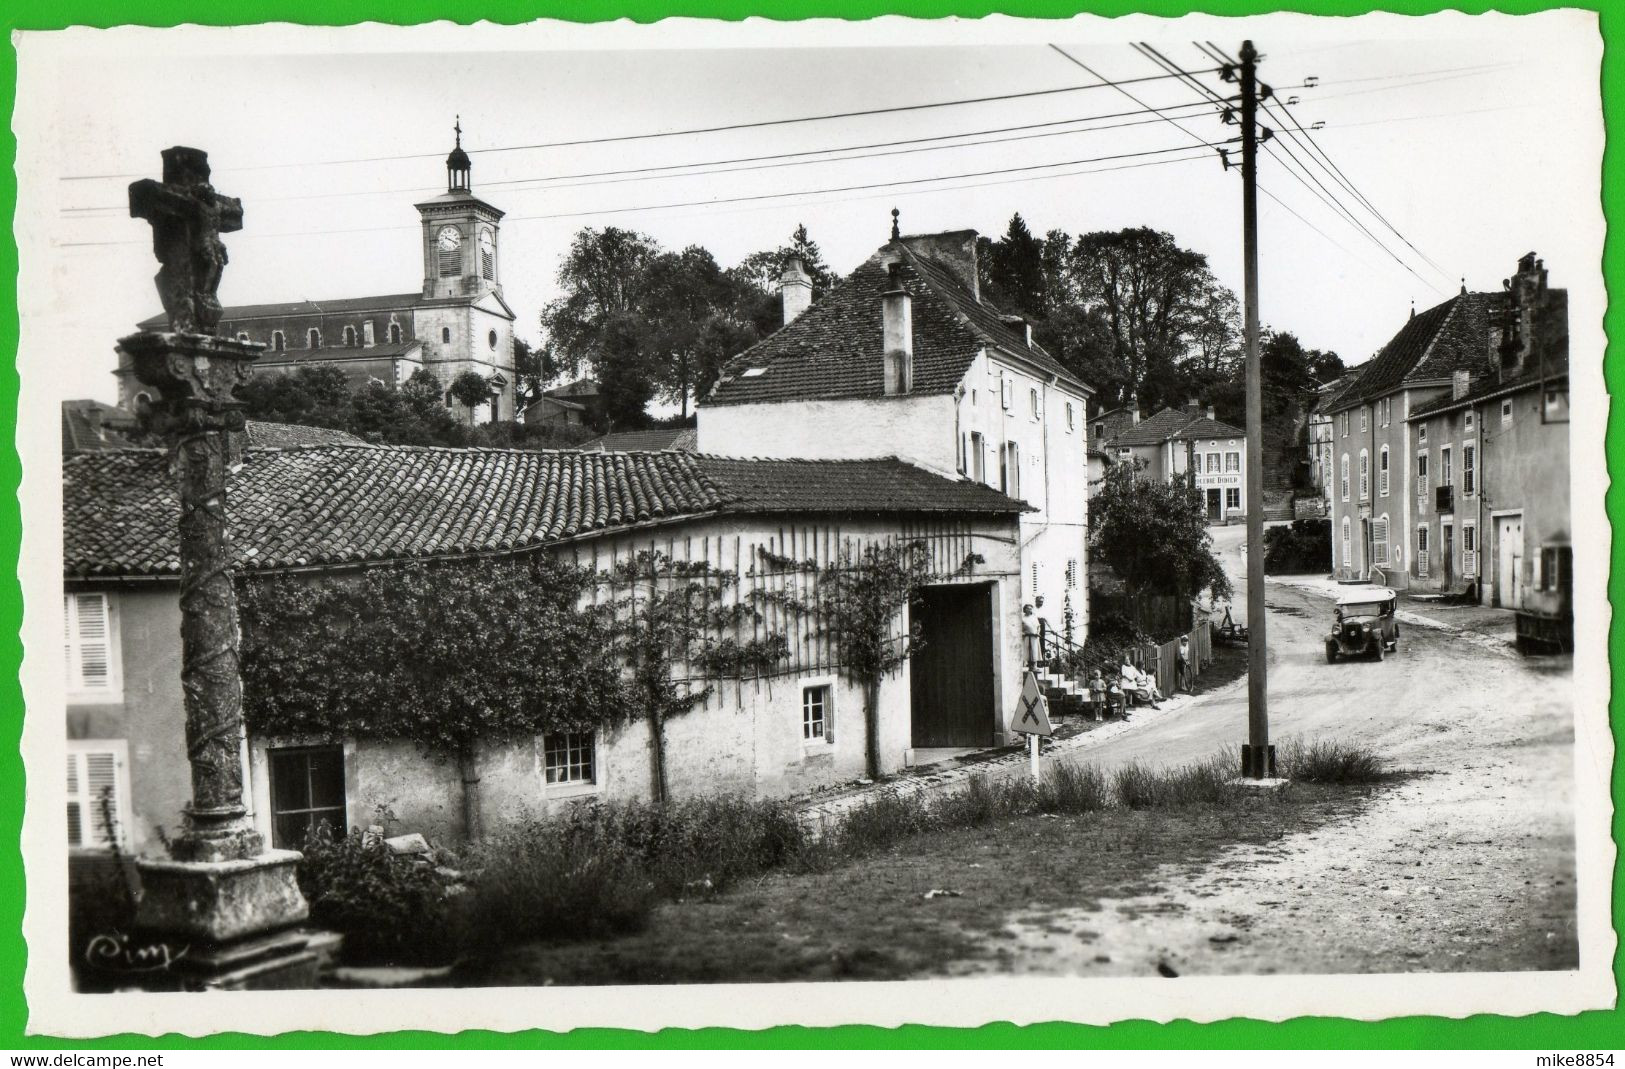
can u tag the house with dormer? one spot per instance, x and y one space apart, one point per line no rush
455 322
904 358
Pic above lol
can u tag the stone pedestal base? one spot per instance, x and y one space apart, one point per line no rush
219 901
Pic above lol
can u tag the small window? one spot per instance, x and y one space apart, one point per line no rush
491 339
1032 397
313 339
1467 420
978 457
1555 405
445 334
1100 430
349 337
1071 418
1232 499
1555 562
1004 392
815 715
1421 433
242 335
1506 411
88 644
97 795
394 333
1232 462
367 337
307 791
569 757
279 341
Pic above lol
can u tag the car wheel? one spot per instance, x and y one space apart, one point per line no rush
1378 649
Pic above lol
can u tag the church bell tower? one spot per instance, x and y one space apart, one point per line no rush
461 251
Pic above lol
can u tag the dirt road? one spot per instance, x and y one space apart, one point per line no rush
1466 865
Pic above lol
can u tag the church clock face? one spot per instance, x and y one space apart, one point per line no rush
450 238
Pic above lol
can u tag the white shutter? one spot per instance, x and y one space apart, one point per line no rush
94 773
88 643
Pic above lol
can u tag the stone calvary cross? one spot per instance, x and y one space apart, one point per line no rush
235 902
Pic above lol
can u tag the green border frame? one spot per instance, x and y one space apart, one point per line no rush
1595 1031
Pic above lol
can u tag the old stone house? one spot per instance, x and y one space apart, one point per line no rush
1401 493
1177 443
904 358
1495 520
456 322
325 512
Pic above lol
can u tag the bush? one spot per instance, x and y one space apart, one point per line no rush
1305 547
1327 761
389 908
1073 789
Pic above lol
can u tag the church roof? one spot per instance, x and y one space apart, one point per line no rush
342 506
833 350
383 303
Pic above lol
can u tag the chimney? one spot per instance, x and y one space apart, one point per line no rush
898 333
1134 409
1020 325
795 288
1193 407
1210 412
954 250
1460 382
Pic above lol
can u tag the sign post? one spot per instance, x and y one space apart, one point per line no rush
1032 717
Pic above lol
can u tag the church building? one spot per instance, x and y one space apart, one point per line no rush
456 322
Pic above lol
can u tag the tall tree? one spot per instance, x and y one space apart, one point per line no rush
1014 271
603 276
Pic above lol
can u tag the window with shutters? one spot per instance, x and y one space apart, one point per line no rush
1446 470
1345 557
1469 472
978 458
1382 472
90 645
1072 574
307 791
1379 541
1343 480
1469 548
1010 469
1365 475
1365 415
1421 476
1422 552
98 794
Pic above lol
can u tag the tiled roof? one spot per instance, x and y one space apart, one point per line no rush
684 438
833 350
1431 344
1155 430
578 388
262 435
383 303
332 506
1488 386
1208 428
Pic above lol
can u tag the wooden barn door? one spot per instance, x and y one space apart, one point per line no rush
952 696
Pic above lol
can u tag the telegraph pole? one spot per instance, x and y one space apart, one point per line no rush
1257 756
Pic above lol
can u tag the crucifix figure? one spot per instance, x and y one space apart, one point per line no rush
187 218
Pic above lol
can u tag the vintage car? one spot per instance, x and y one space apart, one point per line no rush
1365 624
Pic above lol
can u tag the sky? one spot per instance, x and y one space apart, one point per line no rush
1477 139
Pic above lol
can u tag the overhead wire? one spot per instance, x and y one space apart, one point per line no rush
653 134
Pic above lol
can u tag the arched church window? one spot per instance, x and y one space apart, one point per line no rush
394 333
488 254
314 338
279 341
349 337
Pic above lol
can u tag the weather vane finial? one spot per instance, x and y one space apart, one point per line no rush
458 126
895 232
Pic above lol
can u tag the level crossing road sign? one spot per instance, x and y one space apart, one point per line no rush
1032 711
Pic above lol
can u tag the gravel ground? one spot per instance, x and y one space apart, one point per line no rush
1466 865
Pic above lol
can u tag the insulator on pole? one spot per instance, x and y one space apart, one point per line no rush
1227 73
1311 81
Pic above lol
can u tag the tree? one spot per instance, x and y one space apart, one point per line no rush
443 655
670 616
471 388
1153 535
762 269
1014 276
602 277
313 395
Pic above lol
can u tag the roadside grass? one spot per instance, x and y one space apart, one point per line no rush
1328 761
862 911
